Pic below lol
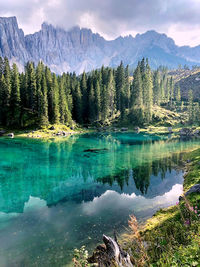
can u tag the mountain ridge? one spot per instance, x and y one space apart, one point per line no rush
79 49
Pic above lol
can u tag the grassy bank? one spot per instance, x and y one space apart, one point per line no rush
172 236
49 132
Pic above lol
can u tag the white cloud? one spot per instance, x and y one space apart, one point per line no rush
179 19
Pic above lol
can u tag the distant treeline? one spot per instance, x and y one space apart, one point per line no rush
39 97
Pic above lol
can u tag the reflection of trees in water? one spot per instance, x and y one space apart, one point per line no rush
55 171
141 174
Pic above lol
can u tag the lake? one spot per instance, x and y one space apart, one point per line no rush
56 196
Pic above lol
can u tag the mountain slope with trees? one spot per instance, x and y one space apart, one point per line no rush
38 97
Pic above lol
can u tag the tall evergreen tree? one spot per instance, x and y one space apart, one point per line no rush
77 106
137 97
43 102
190 106
31 86
111 92
15 109
120 89
55 100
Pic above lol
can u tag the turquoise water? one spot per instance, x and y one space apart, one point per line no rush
58 196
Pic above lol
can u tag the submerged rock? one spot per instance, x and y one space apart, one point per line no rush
95 150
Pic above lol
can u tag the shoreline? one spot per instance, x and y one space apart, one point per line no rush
62 131
157 239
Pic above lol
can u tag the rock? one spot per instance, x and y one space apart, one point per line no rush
186 132
58 133
124 129
95 150
80 49
52 128
2 132
169 129
197 132
11 135
194 189
137 129
64 133
110 254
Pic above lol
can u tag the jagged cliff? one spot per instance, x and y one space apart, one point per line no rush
80 49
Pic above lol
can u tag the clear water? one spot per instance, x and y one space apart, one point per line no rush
58 196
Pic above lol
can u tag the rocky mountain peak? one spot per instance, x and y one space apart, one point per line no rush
79 49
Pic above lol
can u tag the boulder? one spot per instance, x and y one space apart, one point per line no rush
58 133
11 135
197 132
194 189
137 129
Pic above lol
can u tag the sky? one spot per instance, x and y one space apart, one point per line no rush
179 19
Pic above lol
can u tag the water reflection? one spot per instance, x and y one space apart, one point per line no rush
57 196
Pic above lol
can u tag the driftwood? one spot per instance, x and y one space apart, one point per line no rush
110 254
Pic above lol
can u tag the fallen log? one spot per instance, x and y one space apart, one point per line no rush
110 254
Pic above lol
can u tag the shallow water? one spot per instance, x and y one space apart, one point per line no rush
58 196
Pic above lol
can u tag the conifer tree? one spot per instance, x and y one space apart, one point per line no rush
31 87
43 103
190 106
55 100
105 103
127 91
7 90
91 103
147 94
84 92
15 109
120 89
98 100
111 91
65 115
156 88
137 97
77 104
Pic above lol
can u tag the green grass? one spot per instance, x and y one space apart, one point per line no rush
45 132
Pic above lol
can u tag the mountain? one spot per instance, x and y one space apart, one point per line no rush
80 49
190 82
